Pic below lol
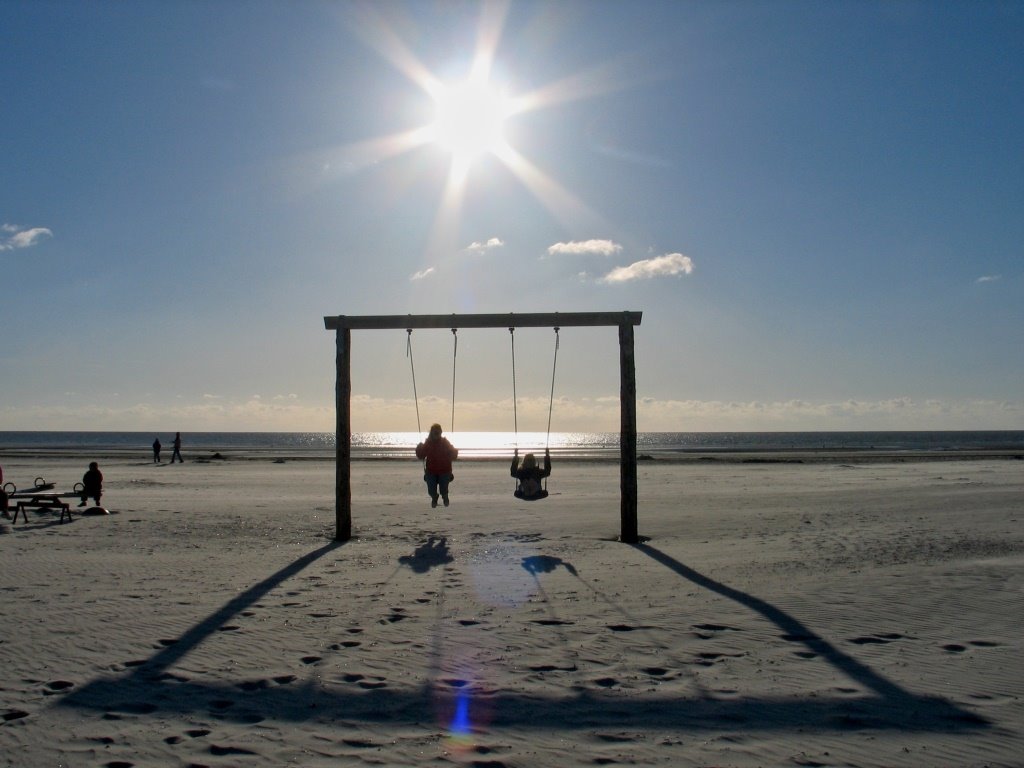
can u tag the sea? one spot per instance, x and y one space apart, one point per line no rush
494 445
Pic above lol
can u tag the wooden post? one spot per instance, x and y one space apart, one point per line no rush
627 434
343 451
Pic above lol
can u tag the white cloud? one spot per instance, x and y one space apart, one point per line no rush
988 278
660 266
478 247
423 273
22 238
585 247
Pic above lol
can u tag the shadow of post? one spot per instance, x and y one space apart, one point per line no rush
194 636
889 693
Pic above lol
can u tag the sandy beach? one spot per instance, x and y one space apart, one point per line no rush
824 613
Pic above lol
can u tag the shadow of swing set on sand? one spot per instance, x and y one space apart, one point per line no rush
151 688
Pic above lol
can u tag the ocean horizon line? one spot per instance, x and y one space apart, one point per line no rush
498 444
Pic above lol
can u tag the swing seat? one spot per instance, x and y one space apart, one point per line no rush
520 494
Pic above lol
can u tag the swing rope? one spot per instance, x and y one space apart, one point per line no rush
412 367
515 408
455 353
551 401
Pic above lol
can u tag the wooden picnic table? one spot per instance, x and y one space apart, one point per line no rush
42 496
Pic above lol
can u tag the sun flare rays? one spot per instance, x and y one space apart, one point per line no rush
469 120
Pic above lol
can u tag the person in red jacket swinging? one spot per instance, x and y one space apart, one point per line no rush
437 454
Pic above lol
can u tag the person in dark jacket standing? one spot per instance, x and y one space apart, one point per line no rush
437 454
156 451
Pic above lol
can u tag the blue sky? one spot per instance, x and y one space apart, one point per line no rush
817 206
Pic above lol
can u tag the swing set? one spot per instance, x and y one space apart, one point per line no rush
343 325
522 492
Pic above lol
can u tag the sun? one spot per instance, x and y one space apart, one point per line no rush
469 119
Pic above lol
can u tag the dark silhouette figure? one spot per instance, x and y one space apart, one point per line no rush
530 476
438 455
177 448
4 502
156 451
92 482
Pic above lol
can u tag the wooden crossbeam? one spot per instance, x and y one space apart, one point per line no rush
510 320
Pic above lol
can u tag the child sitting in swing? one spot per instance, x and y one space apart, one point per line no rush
530 475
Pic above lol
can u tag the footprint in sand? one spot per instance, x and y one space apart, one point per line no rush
220 751
954 648
371 684
346 644
552 668
57 686
360 744
253 685
169 676
881 639
310 659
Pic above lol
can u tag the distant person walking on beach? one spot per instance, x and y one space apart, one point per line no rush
177 448
438 455
156 451
92 481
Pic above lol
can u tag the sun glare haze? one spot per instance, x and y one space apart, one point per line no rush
470 119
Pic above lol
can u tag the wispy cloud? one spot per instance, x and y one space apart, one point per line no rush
423 273
988 278
478 247
660 266
17 237
585 247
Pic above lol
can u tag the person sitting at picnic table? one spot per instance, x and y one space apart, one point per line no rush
92 481
530 475
3 494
